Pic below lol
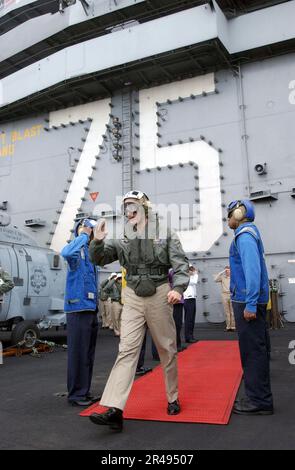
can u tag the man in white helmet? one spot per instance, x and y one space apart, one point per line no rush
114 291
148 301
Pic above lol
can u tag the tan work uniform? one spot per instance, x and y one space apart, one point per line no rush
226 301
114 288
144 258
104 305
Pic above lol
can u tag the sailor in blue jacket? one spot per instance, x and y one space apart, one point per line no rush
81 309
249 294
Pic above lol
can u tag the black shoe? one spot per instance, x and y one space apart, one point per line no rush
83 402
242 400
246 408
113 417
192 340
94 399
173 408
143 370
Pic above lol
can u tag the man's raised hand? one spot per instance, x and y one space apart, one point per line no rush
100 231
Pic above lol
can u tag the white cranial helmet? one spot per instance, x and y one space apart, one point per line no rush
135 195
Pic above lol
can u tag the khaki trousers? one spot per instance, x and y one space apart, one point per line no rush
109 314
103 313
229 313
157 314
116 316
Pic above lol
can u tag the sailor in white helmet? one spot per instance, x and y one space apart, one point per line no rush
114 291
105 304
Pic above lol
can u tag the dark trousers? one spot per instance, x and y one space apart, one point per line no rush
177 315
254 345
155 353
82 333
142 352
189 318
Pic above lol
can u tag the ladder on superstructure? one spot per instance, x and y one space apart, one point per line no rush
127 150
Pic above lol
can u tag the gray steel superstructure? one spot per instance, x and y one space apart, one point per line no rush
191 101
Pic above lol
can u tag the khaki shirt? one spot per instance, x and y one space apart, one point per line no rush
114 290
225 282
103 294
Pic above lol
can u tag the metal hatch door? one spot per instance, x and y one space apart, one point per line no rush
37 299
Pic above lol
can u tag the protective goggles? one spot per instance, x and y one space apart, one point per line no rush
231 207
131 208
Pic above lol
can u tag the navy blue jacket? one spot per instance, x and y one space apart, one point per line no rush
248 279
81 284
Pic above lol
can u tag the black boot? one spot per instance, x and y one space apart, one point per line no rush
173 408
93 399
82 402
113 417
142 370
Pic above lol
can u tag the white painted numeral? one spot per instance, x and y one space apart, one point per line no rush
207 159
99 112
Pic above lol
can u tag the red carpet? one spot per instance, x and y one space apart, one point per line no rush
209 377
